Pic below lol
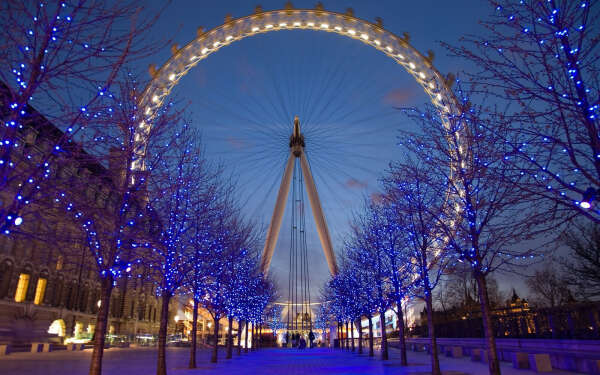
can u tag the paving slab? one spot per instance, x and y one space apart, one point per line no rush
316 361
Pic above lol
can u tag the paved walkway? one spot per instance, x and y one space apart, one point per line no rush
265 361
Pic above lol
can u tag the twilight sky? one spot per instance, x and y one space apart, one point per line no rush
245 96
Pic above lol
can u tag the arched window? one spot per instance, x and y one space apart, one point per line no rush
142 308
114 308
23 284
95 300
60 262
40 288
84 296
71 295
6 271
58 291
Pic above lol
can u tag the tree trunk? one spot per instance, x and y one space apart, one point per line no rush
359 323
488 329
230 338
194 335
253 339
384 347
435 361
161 367
347 338
400 316
215 351
352 333
260 336
101 325
246 339
371 353
257 337
339 331
239 344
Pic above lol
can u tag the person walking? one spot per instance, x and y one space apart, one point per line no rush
301 343
311 338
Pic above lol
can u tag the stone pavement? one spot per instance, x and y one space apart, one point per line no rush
265 361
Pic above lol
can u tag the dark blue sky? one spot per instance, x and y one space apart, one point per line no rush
245 96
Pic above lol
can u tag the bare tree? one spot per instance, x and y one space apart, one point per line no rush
549 288
458 293
582 266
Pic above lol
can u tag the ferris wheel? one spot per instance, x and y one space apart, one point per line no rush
315 98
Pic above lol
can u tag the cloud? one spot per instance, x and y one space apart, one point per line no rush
401 97
248 75
353 183
237 143
377 197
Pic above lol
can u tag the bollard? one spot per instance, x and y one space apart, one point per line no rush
520 360
540 362
479 355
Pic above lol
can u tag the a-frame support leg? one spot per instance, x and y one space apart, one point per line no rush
275 224
315 204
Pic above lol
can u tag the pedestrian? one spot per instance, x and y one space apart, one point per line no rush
311 338
302 343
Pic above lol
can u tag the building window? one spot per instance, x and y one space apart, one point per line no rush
59 263
22 287
40 291
6 270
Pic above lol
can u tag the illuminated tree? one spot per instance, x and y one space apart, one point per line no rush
273 318
244 283
373 241
363 288
212 197
343 294
234 287
392 240
417 194
332 297
266 294
113 215
486 219
541 59
63 58
173 193
66 59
